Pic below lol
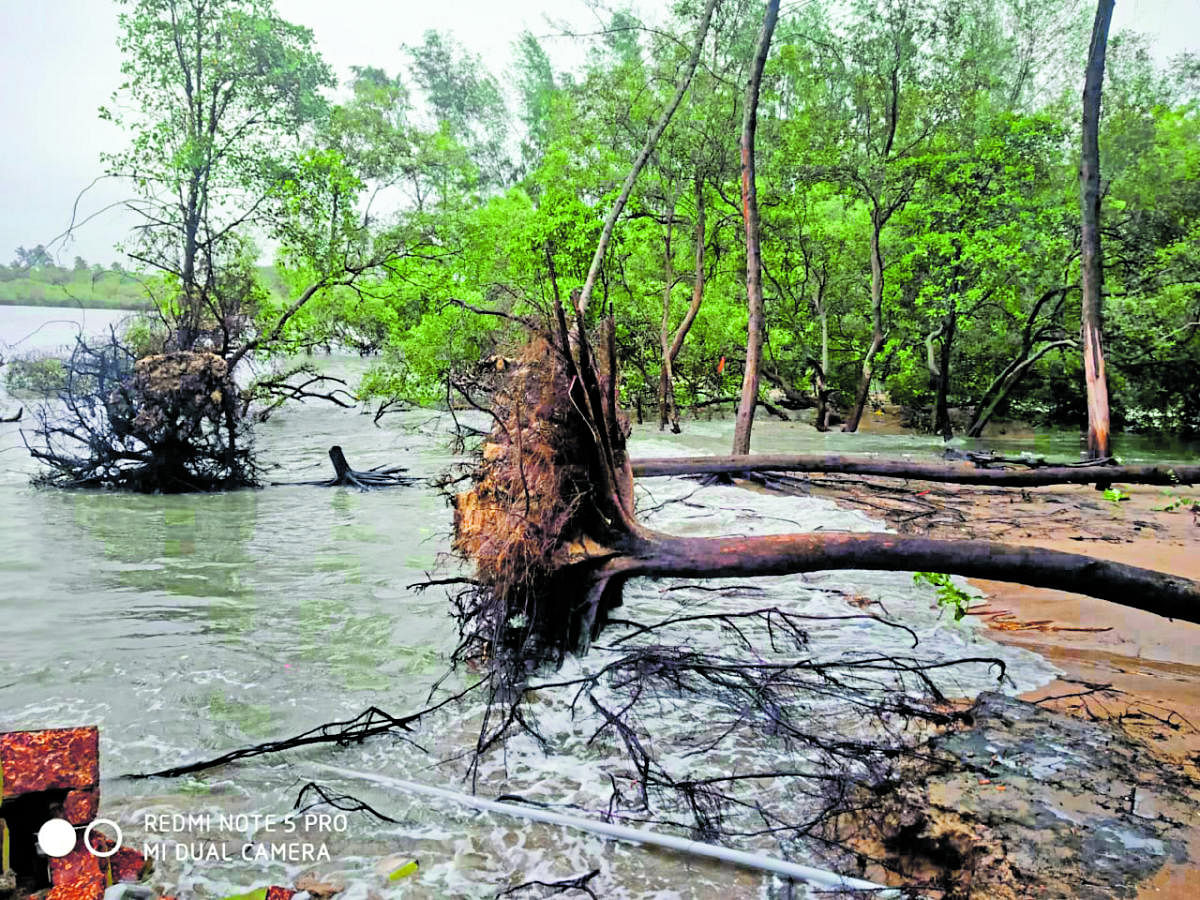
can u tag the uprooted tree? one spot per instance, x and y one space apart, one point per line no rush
231 140
168 422
552 531
550 527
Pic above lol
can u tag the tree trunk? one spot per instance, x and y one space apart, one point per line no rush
1003 384
821 379
671 352
1012 374
729 557
941 404
666 390
962 473
341 468
756 323
864 382
1096 382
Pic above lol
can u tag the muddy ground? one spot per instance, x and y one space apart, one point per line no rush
1132 673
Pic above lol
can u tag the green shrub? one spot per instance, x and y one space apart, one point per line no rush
948 593
42 375
144 335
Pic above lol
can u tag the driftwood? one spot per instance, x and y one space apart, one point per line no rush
962 473
344 476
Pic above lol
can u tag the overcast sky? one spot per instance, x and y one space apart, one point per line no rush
58 63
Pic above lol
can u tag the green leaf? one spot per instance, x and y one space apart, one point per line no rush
404 871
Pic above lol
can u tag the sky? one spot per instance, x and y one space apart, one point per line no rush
59 63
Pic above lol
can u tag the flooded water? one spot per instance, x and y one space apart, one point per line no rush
188 626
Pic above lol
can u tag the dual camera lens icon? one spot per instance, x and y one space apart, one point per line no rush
57 838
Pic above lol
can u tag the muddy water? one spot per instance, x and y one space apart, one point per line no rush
189 626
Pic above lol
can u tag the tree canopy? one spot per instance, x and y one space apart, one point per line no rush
916 178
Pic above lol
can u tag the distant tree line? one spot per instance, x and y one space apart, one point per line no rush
35 278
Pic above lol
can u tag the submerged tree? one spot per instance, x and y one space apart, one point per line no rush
166 422
231 142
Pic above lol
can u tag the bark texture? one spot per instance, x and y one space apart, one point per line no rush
756 323
1092 266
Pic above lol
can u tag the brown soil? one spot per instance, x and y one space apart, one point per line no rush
1135 669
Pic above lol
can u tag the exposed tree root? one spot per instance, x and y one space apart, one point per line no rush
369 723
809 751
550 529
576 883
344 802
344 476
165 423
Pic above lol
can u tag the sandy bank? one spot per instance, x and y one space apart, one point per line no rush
1134 669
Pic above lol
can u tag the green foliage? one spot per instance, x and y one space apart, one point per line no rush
459 90
1175 501
217 101
144 335
420 202
950 129
948 593
1115 495
42 376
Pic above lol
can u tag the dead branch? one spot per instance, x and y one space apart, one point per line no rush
364 480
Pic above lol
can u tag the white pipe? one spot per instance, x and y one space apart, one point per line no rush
820 877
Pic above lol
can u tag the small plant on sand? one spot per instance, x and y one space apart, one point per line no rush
1115 495
1174 502
948 593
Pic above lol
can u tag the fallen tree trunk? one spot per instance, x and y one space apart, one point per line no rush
924 471
786 554
552 531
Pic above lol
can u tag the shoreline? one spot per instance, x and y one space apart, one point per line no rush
1135 670
1154 663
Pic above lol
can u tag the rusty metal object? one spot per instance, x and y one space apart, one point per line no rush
59 758
55 773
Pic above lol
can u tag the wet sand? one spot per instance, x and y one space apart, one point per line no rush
1137 670
1153 662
